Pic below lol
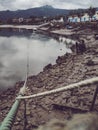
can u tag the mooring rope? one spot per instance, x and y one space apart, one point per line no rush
9 119
23 89
79 84
28 61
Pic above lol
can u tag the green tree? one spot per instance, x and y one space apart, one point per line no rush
91 11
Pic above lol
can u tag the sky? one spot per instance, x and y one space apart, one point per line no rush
63 4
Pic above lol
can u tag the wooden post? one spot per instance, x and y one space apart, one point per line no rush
94 99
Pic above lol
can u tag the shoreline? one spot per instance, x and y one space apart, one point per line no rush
60 32
19 26
69 68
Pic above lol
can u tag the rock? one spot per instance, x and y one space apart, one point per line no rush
49 66
16 123
70 68
28 113
90 63
62 59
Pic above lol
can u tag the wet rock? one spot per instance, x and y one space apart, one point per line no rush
49 66
5 107
28 113
90 63
62 59
16 123
18 119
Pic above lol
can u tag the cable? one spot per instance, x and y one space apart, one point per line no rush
23 89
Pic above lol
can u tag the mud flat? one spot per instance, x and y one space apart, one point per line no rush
56 33
70 68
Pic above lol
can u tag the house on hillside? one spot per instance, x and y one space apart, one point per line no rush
20 20
70 19
85 17
17 20
95 17
61 20
73 19
58 20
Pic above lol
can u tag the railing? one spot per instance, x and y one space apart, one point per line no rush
8 121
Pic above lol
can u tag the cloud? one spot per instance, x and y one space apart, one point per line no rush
72 4
22 4
65 4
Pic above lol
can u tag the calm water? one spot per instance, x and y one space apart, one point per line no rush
14 46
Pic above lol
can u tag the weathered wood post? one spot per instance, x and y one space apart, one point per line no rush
94 99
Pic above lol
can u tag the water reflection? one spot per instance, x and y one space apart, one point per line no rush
13 52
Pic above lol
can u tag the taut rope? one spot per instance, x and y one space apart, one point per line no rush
80 84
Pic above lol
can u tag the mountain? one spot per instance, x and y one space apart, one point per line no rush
38 11
46 10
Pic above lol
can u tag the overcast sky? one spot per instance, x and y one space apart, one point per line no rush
64 4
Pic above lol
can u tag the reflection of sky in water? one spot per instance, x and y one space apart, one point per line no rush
13 53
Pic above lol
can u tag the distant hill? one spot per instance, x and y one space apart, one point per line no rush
39 11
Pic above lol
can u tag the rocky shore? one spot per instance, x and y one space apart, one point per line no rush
70 68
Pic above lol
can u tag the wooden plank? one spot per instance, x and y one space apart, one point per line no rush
94 99
63 108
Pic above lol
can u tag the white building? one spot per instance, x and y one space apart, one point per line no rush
61 20
17 20
95 17
70 19
76 19
73 19
85 18
20 20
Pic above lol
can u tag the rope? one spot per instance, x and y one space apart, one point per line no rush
79 84
23 89
27 74
9 120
